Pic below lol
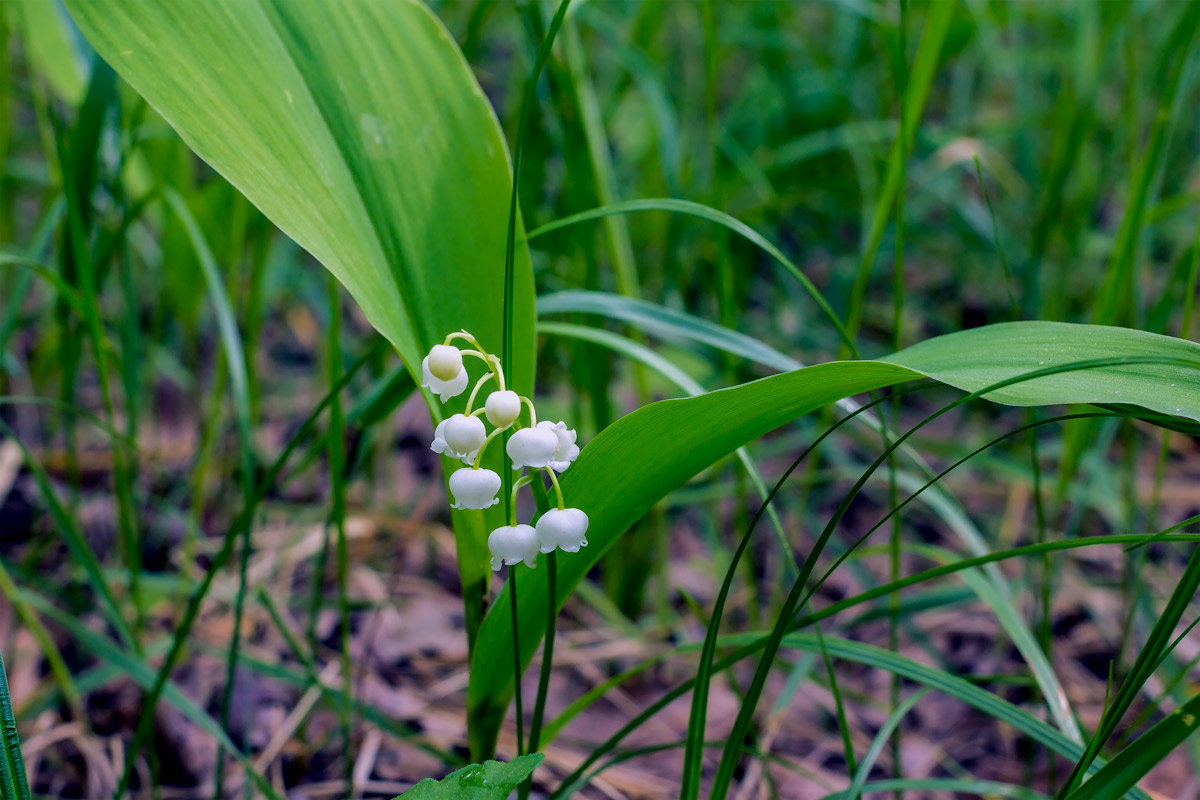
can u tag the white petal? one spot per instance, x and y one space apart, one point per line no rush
513 543
464 434
565 450
564 528
529 545
443 389
474 488
532 447
439 440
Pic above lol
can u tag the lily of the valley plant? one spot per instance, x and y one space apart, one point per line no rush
535 447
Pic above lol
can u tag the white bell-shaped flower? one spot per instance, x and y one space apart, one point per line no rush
512 543
565 528
445 362
464 434
445 388
565 450
459 436
532 447
502 408
474 488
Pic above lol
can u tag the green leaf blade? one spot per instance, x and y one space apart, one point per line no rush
978 357
1121 775
649 453
491 780
12 764
358 129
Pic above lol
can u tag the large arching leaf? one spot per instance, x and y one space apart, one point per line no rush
647 454
359 130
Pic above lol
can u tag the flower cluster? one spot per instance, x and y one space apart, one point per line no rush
537 446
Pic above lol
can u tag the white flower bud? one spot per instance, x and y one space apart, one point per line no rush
474 488
502 408
565 528
565 450
512 543
532 447
444 388
445 362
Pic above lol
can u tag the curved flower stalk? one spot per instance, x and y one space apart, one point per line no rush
544 446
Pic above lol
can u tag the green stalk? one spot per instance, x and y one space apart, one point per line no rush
239 387
481 750
843 723
539 705
894 540
79 176
928 52
1119 287
635 556
516 631
1147 660
337 481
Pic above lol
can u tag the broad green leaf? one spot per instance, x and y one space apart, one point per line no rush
979 357
357 128
491 780
646 454
677 326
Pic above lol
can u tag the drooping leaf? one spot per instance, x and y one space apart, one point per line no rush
979 357
647 454
491 780
357 128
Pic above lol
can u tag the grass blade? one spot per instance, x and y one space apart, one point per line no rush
720 218
1129 766
890 725
1147 660
13 782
